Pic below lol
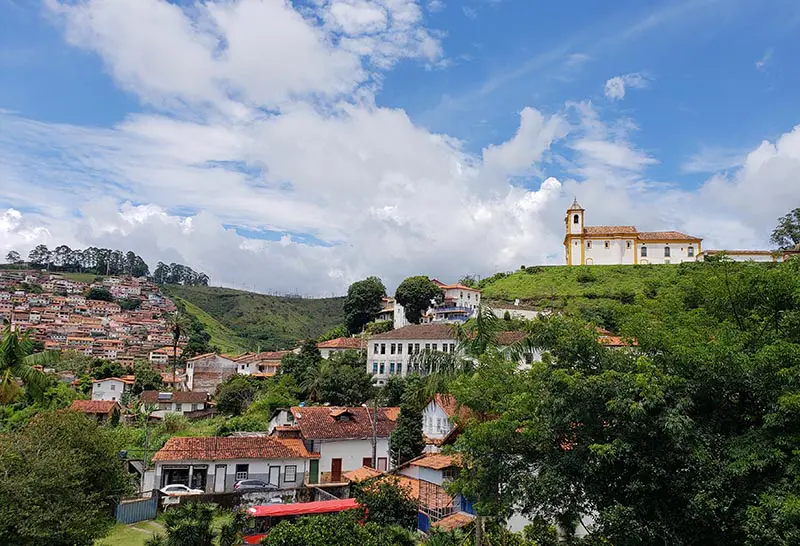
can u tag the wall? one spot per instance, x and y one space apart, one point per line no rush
616 253
102 391
430 414
352 452
204 374
259 470
386 359
173 408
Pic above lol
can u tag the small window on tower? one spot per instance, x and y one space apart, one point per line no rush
606 244
575 219
627 244
588 244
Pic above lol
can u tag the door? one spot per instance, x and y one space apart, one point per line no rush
275 476
219 478
366 461
336 470
313 471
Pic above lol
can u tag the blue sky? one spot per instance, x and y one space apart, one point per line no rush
343 134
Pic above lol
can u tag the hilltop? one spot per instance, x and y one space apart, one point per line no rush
250 320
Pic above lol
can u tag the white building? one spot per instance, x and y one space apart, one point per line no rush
341 344
615 245
215 464
437 420
110 389
750 255
342 436
264 364
458 305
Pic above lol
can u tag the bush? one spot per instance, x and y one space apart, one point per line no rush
175 422
585 276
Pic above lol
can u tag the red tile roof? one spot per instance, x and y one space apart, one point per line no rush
609 230
665 236
361 474
94 406
342 343
330 423
454 521
120 379
221 448
436 461
419 331
505 339
258 357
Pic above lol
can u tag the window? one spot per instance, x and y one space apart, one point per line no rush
382 368
242 471
576 219
691 251
588 244
392 348
399 348
194 407
644 251
391 368
366 461
427 346
444 347
375 349
410 348
435 346
438 424
605 244
399 368
243 366
627 244
178 407
666 252
290 473
113 387
416 348
452 347
374 368
383 348
382 464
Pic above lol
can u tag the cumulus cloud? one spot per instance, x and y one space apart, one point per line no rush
264 158
616 86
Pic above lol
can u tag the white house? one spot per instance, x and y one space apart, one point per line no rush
438 420
264 364
110 389
342 436
613 245
183 402
215 464
458 305
749 255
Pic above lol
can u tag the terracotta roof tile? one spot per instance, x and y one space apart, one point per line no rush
609 230
436 461
324 422
342 343
361 474
221 448
454 521
665 236
94 406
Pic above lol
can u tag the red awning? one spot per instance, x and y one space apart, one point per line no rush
302 508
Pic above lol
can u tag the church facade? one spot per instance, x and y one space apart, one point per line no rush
614 245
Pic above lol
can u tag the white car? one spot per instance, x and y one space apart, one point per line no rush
176 490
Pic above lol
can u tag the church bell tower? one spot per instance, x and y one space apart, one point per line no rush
574 233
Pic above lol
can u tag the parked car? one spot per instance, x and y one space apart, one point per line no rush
243 485
176 490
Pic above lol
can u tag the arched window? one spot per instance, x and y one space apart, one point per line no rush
666 252
644 251
575 219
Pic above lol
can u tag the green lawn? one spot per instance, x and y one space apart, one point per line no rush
80 277
130 535
221 336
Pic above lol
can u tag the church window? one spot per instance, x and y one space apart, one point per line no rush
606 244
644 251
666 252
627 244
588 244
691 252
575 219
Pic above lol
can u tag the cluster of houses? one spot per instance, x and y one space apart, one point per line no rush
56 312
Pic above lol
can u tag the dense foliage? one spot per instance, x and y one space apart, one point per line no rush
341 380
99 293
690 437
387 503
342 529
59 478
178 274
406 441
415 294
100 261
363 302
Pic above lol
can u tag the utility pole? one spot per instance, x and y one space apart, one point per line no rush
373 421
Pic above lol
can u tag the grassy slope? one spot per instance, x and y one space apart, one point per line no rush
130 535
80 277
221 336
270 322
558 286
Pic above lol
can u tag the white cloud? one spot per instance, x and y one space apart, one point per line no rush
435 5
616 86
712 160
762 63
469 12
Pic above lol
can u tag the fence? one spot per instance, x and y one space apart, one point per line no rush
131 511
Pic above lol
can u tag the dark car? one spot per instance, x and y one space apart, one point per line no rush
260 485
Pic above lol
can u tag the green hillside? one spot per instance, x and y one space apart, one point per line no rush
221 336
262 321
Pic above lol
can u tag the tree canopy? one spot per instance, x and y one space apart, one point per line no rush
786 234
415 294
100 261
363 302
688 437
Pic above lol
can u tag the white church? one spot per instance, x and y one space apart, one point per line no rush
613 245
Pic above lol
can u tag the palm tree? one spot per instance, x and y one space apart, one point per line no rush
16 363
314 378
177 324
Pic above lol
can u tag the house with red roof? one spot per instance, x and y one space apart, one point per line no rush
101 410
215 464
342 436
340 344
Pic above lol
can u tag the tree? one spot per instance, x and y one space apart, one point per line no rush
468 280
103 369
39 257
298 365
99 293
190 525
406 441
416 295
388 503
334 333
343 380
147 379
130 304
59 478
13 257
177 324
235 394
786 234
363 302
341 529
16 362
689 437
